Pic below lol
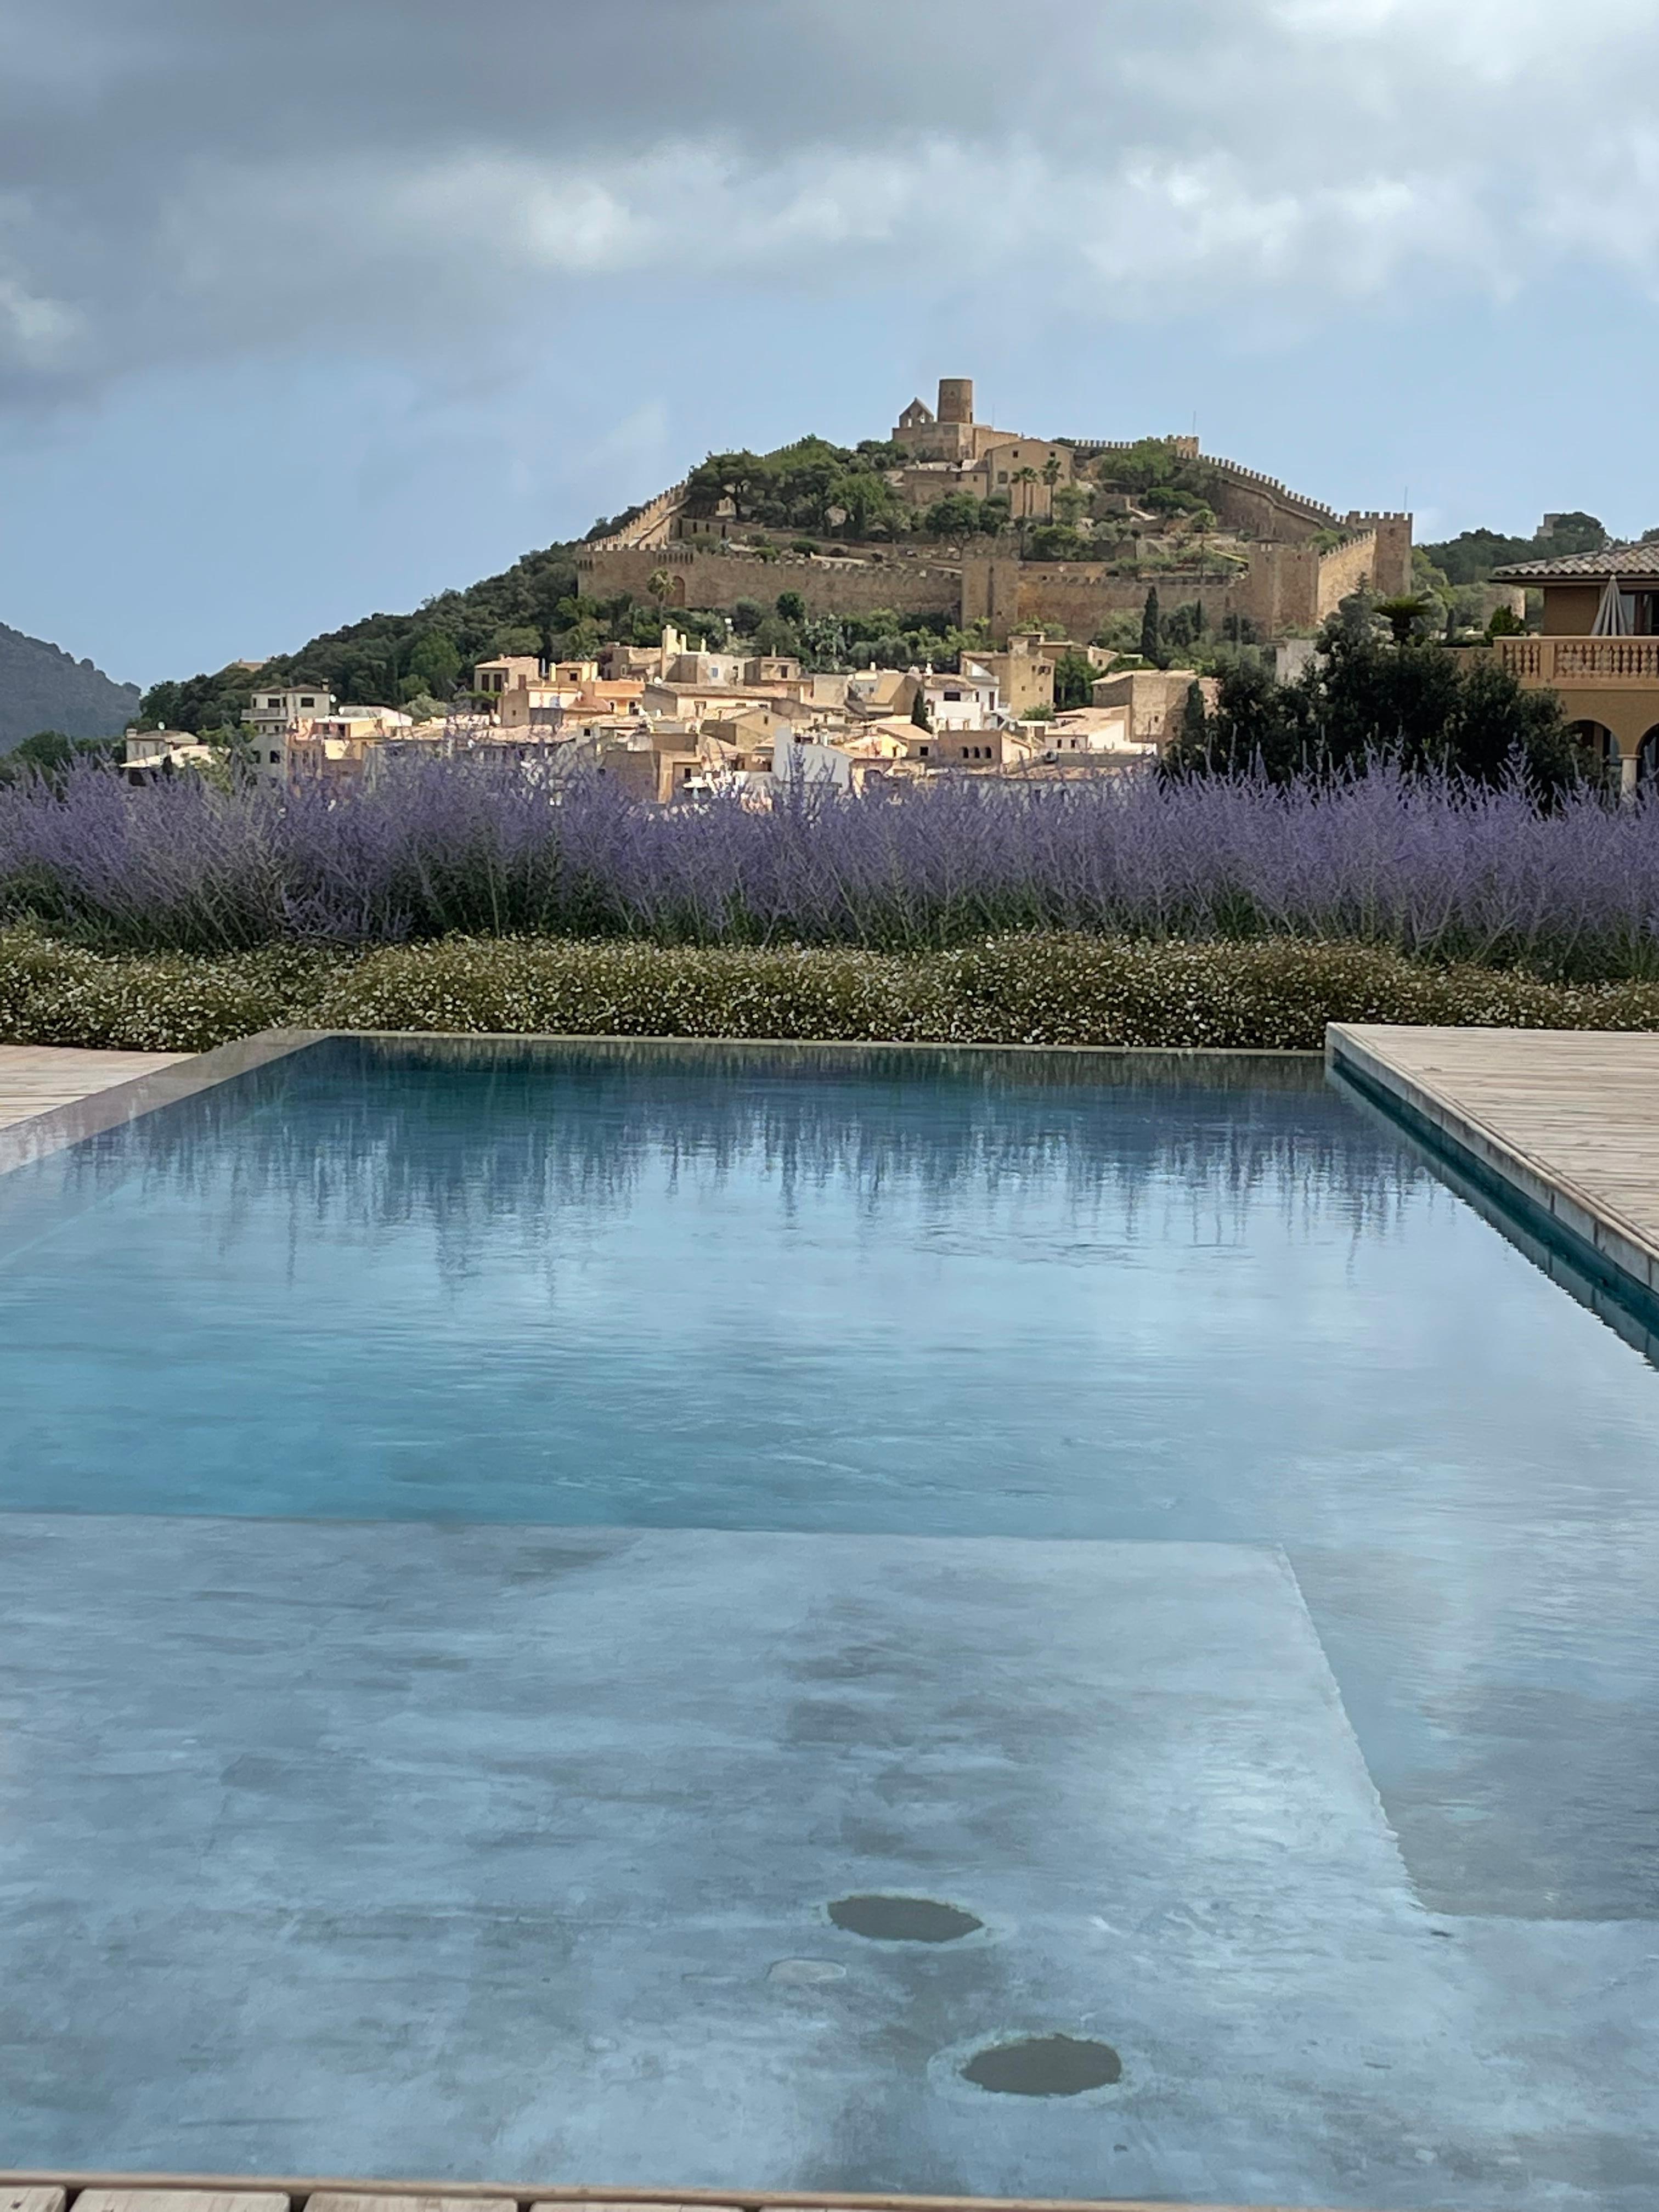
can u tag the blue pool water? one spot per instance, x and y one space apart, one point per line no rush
882 1300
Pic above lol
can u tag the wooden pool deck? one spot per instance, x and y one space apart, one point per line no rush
1562 1126
36 1078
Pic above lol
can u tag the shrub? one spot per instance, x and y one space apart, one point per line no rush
1047 990
1429 866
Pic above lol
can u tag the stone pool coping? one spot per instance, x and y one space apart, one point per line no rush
34 2190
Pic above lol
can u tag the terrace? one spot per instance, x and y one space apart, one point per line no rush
1600 649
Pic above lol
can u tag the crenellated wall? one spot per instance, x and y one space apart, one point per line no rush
702 577
653 526
1290 586
1010 593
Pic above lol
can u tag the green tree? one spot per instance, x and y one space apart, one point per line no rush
1576 532
1406 614
791 606
515 641
48 752
1151 629
919 710
1367 699
1074 677
1194 731
957 515
435 660
1259 726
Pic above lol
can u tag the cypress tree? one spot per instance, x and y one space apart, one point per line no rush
1149 626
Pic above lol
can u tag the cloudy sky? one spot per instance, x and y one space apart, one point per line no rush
312 309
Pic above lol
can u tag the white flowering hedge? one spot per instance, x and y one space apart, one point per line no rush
1050 989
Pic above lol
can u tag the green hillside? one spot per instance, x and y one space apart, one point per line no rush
44 688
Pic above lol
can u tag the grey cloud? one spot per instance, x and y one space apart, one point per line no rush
181 179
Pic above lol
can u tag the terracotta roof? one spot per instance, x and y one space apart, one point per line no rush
1620 561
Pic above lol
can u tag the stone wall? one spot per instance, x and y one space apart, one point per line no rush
1082 598
1392 576
1287 587
702 577
1008 593
653 526
1343 570
1259 505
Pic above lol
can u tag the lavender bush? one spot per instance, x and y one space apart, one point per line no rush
1426 867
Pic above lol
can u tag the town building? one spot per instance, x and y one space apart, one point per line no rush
149 754
1152 698
1597 648
1023 671
1091 737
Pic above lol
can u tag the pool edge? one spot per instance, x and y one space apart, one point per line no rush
427 2194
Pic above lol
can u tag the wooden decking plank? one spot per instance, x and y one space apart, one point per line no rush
35 1078
1570 1119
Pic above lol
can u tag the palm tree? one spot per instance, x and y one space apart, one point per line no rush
1025 477
1403 614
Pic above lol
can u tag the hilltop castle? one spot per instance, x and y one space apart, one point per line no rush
1248 547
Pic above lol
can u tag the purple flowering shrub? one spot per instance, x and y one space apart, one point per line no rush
1427 868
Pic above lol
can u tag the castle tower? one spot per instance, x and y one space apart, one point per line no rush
955 399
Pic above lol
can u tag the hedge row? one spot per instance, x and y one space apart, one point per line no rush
1009 990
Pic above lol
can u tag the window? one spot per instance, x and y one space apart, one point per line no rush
307 703
921 753
275 760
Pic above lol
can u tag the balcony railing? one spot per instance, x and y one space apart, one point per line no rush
1566 660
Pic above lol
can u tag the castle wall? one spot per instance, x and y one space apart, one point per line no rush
703 576
1288 587
1008 593
1280 591
1343 570
653 526
1392 575
1065 591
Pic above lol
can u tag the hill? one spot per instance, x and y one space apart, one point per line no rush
386 659
44 688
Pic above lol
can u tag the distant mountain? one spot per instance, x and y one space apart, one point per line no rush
44 688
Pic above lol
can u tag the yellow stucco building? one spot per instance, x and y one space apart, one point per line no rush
1597 648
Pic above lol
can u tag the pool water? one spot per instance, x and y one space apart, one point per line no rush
897 1358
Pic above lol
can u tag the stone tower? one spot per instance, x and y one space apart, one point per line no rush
955 399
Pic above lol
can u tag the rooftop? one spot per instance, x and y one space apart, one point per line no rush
1620 561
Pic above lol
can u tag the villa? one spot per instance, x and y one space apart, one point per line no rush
1597 648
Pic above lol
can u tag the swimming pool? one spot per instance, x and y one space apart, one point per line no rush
500 1538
